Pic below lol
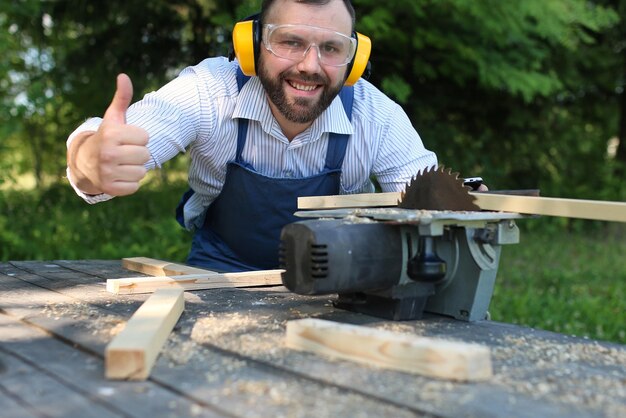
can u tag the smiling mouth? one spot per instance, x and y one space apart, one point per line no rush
302 87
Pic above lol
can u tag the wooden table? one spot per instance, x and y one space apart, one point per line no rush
226 357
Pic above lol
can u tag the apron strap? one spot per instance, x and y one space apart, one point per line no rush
242 124
242 79
337 143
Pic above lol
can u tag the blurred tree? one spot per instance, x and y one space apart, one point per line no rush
614 43
30 99
63 57
502 89
526 94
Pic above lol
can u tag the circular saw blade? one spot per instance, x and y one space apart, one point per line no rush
437 189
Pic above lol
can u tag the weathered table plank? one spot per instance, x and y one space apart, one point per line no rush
45 394
74 378
227 357
13 407
221 381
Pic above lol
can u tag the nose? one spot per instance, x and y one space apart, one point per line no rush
311 60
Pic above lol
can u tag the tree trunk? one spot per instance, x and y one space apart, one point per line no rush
35 146
620 155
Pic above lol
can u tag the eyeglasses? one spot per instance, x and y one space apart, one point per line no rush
293 42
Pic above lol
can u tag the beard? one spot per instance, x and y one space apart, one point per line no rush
302 109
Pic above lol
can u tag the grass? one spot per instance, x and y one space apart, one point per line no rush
573 282
56 224
568 282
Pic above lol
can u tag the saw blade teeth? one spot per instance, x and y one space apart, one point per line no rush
437 188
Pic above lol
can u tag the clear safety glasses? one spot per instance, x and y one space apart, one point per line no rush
293 42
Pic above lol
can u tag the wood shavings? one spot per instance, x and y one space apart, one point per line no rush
563 372
97 322
240 332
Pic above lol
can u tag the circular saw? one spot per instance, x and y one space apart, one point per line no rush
437 189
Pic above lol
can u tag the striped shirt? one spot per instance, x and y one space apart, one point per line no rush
197 113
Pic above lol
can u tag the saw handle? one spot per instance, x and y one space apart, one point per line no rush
473 182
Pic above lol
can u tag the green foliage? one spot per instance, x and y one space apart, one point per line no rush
499 46
56 224
573 283
60 60
397 87
525 94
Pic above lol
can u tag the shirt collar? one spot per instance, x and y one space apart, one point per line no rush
252 104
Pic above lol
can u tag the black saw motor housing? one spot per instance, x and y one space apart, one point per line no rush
333 256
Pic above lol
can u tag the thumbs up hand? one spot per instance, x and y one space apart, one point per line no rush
116 112
112 159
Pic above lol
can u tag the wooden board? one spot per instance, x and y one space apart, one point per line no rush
133 285
156 267
40 393
551 206
361 200
132 353
57 379
426 356
532 205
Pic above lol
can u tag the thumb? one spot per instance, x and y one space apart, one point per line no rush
116 112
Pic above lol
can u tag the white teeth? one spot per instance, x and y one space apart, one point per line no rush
302 87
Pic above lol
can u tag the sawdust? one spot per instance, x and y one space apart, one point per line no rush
578 374
179 350
282 394
586 375
354 219
247 334
276 392
99 324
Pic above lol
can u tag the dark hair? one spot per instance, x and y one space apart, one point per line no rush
265 6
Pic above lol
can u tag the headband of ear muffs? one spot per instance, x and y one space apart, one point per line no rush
247 41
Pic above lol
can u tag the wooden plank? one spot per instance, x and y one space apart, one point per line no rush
132 353
551 206
133 285
532 205
43 394
156 267
81 371
361 200
12 407
408 353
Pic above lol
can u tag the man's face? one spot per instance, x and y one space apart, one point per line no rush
301 90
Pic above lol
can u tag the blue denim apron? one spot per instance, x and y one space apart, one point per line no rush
242 226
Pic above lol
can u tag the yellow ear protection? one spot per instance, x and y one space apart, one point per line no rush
247 41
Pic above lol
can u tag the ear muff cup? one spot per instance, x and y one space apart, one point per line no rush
358 65
247 41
